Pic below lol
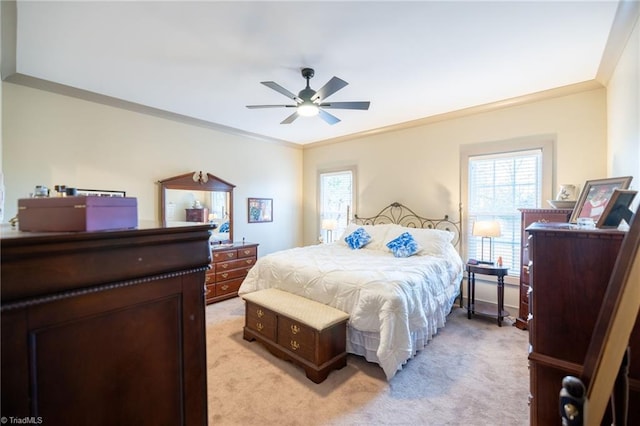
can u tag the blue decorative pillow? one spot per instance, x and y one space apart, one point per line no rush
357 239
404 245
224 227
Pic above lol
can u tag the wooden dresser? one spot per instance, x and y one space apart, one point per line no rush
569 275
105 328
229 265
197 215
529 216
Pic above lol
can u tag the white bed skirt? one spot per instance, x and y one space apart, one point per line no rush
366 343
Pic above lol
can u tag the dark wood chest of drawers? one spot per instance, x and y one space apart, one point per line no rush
528 217
230 264
569 276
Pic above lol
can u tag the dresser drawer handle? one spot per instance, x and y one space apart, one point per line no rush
230 255
249 261
260 313
225 275
225 287
525 268
247 251
224 265
207 290
294 345
295 329
259 326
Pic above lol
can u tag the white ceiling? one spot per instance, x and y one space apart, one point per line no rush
412 60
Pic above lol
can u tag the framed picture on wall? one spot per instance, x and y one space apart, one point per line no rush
260 210
595 196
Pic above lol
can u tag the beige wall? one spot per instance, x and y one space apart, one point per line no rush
53 139
623 112
419 166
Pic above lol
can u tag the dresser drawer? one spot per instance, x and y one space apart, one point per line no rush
222 255
228 265
248 252
297 337
234 273
228 287
261 320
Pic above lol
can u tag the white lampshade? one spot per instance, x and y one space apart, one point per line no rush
329 224
486 228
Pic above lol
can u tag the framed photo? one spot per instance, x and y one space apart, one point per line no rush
617 209
595 196
101 193
260 210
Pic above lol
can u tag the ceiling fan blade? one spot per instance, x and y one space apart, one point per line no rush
331 119
271 106
290 118
329 89
346 105
275 86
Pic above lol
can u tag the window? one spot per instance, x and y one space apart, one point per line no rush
336 202
499 181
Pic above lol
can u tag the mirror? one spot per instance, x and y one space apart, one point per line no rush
201 198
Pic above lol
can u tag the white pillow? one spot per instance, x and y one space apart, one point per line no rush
378 235
434 242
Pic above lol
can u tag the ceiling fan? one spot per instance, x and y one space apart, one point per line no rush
310 102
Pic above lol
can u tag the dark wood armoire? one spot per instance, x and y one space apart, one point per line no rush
105 328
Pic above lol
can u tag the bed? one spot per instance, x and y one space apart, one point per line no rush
396 304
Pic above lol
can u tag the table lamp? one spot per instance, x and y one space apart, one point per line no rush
329 225
486 229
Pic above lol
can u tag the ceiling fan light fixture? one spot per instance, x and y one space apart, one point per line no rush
308 109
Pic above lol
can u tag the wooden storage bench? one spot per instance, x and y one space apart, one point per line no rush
305 332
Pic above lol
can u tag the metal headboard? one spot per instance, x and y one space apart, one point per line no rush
402 215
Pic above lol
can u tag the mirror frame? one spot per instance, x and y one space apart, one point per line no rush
196 181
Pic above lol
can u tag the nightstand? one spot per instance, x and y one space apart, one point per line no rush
472 307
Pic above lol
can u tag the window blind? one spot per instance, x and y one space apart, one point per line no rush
500 184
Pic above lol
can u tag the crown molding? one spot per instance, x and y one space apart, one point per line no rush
479 109
64 90
627 17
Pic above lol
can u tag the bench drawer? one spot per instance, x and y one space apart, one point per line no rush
297 337
261 320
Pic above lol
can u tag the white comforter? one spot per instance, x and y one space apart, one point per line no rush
405 300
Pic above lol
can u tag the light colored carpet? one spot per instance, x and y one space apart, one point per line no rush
472 373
